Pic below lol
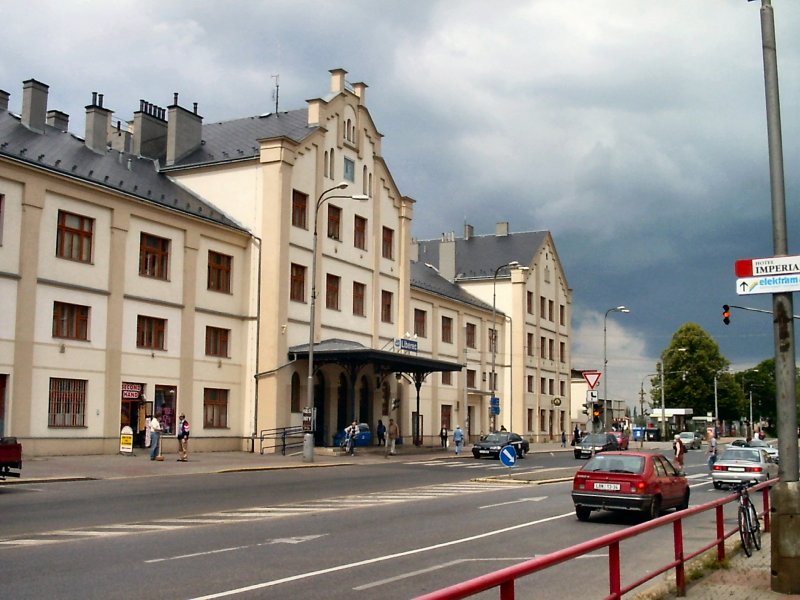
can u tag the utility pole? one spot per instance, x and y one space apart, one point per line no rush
785 544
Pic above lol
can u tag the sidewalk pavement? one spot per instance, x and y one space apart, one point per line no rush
745 579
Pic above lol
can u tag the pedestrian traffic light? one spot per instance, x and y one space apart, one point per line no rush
726 314
586 406
395 403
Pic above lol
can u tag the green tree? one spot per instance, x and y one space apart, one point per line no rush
760 380
691 362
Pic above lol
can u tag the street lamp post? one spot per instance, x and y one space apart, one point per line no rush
321 199
513 263
607 405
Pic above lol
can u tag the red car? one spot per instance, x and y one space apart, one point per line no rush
622 439
629 481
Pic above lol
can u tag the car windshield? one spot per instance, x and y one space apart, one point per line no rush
759 444
741 454
595 438
688 435
616 464
496 437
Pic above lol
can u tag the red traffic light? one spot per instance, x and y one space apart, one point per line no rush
726 314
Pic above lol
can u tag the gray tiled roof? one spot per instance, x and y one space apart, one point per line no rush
66 154
427 279
479 256
238 139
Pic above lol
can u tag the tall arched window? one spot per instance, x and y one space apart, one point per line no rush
364 181
295 408
325 165
330 166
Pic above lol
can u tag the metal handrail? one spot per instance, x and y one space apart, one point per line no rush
283 436
505 579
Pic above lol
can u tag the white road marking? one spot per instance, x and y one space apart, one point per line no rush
532 499
377 559
292 540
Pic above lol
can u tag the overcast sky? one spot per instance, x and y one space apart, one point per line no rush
633 130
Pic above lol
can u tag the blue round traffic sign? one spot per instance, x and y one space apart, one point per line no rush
508 456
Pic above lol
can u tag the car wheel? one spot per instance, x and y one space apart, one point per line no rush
577 455
717 485
520 452
654 510
582 513
476 455
685 502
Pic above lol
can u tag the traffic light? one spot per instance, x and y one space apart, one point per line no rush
586 407
597 412
726 314
395 403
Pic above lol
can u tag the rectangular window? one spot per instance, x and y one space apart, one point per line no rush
153 256
74 237
217 341
529 302
334 222
215 408
470 335
531 384
297 286
359 293
332 291
562 388
550 305
530 419
492 340
67 403
388 243
562 318
219 272
420 316
542 385
70 321
386 306
471 378
447 378
151 333
360 233
562 352
550 346
349 169
299 209
447 330
529 342
542 306
551 386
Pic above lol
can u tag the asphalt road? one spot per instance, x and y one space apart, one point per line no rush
389 530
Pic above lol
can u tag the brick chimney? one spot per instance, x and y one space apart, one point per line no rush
97 122
447 256
469 231
58 119
4 97
184 131
149 130
34 104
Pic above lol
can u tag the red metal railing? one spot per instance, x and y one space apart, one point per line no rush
505 579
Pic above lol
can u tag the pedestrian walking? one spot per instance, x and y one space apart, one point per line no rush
458 439
183 438
680 451
563 439
393 433
381 431
712 451
155 437
443 434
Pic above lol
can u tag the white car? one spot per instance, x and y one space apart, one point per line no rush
690 439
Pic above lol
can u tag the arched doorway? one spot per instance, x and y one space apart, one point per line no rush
341 403
364 404
321 431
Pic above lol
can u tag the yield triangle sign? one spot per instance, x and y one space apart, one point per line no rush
592 378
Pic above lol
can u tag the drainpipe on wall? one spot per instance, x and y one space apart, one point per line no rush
258 347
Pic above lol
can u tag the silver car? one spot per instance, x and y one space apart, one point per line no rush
690 439
743 465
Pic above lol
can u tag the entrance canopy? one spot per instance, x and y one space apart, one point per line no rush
347 353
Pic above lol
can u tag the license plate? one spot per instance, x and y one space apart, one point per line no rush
737 469
483 451
607 486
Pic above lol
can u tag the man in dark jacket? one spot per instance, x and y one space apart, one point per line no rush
183 438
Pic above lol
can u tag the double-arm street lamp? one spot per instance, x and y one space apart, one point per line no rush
508 265
321 199
608 405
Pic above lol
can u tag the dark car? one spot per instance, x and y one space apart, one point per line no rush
594 443
493 444
629 481
363 437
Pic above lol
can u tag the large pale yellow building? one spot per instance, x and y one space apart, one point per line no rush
206 242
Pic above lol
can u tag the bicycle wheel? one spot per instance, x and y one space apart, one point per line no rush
755 526
744 530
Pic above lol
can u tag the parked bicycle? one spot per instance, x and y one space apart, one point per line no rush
749 525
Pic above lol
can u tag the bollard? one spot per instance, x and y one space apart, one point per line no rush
308 447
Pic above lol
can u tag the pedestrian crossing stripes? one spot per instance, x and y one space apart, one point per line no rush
442 490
